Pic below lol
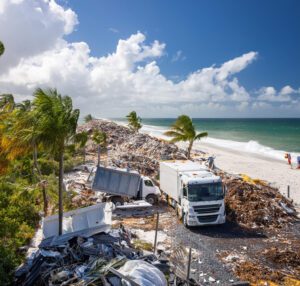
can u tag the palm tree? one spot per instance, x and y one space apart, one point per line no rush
88 118
100 139
18 135
184 130
56 128
7 103
134 121
2 49
82 138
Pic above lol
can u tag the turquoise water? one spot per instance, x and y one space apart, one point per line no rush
279 134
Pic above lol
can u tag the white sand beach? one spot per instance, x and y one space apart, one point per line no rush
276 172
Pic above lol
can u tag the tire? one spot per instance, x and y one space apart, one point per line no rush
184 220
151 199
117 201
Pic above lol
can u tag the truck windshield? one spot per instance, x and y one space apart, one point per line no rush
205 192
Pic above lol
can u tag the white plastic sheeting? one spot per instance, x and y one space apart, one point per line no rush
80 219
143 273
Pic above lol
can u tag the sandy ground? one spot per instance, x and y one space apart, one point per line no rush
276 172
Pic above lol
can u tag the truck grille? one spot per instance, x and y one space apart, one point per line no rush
207 209
207 218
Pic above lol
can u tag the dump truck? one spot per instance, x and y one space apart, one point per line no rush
194 191
122 184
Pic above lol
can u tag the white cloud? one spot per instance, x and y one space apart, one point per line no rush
178 56
129 78
287 90
270 94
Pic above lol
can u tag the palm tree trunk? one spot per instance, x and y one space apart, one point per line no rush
45 199
190 149
84 155
35 163
43 184
98 155
60 192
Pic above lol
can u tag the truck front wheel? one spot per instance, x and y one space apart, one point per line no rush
117 201
184 220
151 199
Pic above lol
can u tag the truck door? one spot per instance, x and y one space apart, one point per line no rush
148 187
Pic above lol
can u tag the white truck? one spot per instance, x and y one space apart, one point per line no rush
195 192
121 184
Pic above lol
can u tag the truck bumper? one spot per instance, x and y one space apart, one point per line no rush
206 220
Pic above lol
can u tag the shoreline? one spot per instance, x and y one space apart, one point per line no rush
274 171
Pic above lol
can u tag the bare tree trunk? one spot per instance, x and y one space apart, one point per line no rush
60 192
190 149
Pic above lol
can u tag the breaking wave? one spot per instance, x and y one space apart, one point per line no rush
252 147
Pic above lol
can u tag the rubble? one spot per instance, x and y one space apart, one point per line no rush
128 149
256 204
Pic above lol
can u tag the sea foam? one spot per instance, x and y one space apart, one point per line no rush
252 147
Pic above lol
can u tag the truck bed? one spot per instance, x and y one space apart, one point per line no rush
116 182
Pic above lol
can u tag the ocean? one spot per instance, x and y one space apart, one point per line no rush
267 137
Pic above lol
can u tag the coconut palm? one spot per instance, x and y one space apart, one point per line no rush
184 130
56 128
88 118
100 139
7 103
134 121
81 139
2 49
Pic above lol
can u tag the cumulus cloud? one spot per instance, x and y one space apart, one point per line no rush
129 78
29 27
272 95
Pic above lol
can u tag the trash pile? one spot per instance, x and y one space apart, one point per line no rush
128 149
256 204
101 258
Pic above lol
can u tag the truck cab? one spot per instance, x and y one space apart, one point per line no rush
149 191
195 192
202 198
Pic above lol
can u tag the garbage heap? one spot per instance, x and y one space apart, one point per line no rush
103 258
128 149
255 204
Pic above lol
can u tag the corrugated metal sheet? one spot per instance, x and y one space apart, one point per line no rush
116 182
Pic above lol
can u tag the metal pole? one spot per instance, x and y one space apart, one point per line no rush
288 191
156 229
189 265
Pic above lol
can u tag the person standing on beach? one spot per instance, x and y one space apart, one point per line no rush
289 158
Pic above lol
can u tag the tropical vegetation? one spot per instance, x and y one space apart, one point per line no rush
88 118
134 121
36 145
184 130
100 139
2 48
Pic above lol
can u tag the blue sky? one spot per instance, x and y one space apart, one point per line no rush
209 58
206 32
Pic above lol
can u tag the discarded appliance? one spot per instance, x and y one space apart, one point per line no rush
75 221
